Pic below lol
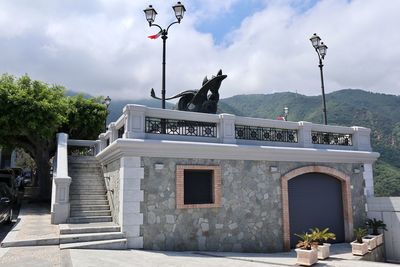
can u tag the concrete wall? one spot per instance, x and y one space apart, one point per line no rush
387 209
249 219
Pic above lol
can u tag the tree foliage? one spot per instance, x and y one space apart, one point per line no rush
32 112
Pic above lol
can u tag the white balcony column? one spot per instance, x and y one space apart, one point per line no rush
130 217
102 142
304 134
361 138
226 128
135 121
114 132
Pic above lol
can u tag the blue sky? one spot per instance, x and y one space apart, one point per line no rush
101 47
230 20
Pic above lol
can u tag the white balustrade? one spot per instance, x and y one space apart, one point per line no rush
141 122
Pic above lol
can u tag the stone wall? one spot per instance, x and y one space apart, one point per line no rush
111 170
249 219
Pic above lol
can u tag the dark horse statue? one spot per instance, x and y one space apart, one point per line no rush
200 100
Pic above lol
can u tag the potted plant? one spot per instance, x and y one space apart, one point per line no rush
321 237
375 225
306 249
359 247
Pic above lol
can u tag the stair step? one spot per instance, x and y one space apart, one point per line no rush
79 207
107 244
90 213
88 202
87 237
87 181
86 187
87 192
85 170
88 197
89 175
97 227
89 219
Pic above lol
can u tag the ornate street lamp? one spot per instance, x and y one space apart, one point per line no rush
286 112
320 48
150 14
106 102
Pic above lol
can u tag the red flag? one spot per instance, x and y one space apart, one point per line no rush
155 36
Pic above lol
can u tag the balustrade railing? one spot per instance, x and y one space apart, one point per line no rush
180 127
82 148
140 122
265 134
326 138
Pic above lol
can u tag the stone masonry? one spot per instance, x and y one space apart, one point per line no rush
250 216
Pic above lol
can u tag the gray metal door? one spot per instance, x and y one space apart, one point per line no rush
315 200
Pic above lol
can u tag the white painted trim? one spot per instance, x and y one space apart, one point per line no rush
130 196
180 149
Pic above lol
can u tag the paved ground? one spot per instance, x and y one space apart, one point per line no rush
34 222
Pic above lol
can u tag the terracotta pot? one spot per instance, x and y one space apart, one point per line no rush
307 257
371 240
324 251
359 249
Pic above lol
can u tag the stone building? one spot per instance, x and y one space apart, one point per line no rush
190 181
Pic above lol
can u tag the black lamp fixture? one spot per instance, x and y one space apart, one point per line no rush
106 102
150 14
320 48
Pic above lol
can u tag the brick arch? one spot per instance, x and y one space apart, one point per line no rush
346 198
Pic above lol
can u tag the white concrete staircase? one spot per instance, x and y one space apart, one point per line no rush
90 222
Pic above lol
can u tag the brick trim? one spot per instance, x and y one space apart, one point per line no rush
346 198
180 186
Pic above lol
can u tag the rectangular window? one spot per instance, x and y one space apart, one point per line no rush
198 186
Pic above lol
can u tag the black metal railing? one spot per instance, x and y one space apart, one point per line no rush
326 138
121 131
265 134
81 151
180 127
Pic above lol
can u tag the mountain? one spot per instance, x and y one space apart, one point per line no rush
348 107
117 106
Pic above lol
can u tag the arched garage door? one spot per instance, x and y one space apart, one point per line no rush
315 200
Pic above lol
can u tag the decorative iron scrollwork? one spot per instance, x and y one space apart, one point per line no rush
326 138
180 127
265 134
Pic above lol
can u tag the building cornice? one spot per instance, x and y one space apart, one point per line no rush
180 149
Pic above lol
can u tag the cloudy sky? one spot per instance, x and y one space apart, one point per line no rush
101 47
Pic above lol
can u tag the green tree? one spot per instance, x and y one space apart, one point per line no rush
32 112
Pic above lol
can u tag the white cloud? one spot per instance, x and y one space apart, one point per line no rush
100 47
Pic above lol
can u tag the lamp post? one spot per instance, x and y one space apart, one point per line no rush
106 102
151 13
320 48
286 112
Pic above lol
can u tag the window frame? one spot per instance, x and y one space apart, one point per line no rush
180 187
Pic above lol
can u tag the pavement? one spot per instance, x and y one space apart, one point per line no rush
33 224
